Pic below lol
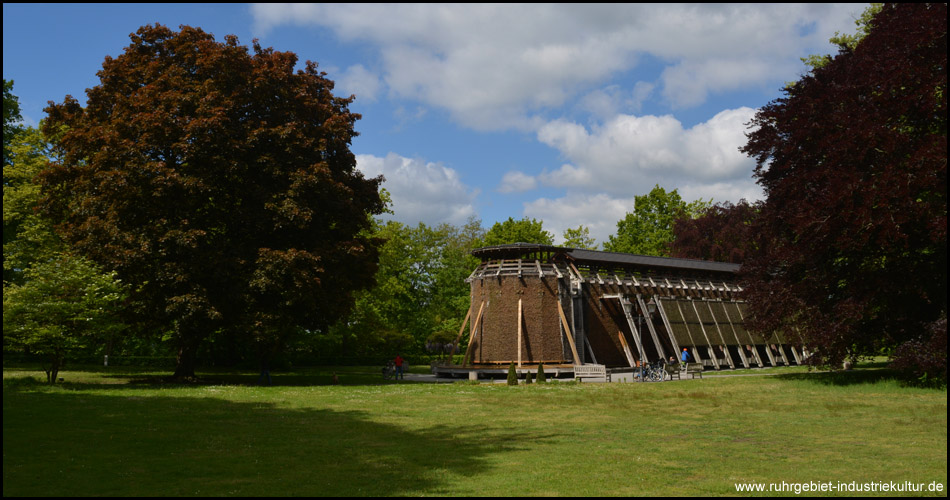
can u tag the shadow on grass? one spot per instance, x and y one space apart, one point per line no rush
92 444
844 377
305 377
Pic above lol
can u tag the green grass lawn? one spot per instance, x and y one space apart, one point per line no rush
120 431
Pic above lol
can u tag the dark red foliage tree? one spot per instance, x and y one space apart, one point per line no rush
722 233
218 183
853 234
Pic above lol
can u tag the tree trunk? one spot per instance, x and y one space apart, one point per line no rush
185 360
55 363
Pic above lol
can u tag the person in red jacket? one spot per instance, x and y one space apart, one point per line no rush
399 361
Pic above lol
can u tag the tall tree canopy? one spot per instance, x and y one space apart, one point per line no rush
853 234
420 292
11 119
219 185
723 233
518 231
579 237
648 230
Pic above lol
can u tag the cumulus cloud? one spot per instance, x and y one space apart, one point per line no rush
612 163
599 212
498 66
517 182
633 150
359 81
421 191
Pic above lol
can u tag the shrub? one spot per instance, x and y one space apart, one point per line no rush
527 378
512 374
541 377
924 361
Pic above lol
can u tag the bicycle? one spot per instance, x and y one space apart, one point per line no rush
653 372
389 371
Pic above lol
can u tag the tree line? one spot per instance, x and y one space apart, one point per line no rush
205 202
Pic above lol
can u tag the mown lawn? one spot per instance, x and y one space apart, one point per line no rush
122 432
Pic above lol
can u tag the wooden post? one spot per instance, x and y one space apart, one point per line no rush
688 334
626 349
744 359
519 333
703 329
666 323
625 306
471 337
725 346
590 350
755 352
567 331
656 339
464 322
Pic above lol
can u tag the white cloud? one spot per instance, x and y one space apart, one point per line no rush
517 182
359 81
599 212
628 155
497 66
421 191
629 152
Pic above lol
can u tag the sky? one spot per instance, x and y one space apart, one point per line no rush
557 112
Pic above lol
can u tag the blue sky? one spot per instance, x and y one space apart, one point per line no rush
559 112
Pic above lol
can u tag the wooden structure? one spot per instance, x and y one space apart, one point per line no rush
535 304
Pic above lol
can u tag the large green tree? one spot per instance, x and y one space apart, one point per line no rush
853 233
579 237
524 230
846 41
11 118
65 305
420 292
219 184
648 230
28 237
11 130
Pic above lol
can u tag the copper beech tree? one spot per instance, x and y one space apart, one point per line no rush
852 237
721 233
219 184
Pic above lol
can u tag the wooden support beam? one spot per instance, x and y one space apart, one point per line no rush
590 349
471 337
625 305
703 329
768 351
569 333
688 334
751 344
576 272
725 346
666 323
644 311
798 359
745 360
519 333
462 329
626 349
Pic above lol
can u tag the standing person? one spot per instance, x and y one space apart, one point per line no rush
265 372
399 361
684 357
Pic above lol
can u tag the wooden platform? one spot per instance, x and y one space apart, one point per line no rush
492 371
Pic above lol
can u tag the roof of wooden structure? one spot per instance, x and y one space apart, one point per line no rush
598 258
